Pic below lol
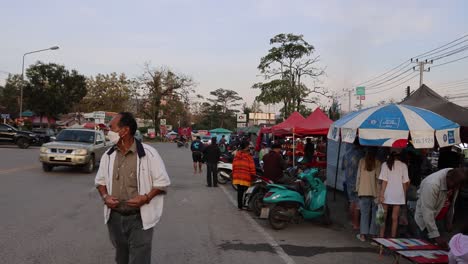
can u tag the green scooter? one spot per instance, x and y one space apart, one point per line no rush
305 199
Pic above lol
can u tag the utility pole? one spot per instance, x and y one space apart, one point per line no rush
421 65
349 100
408 91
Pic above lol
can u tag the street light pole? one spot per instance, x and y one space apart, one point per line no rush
22 76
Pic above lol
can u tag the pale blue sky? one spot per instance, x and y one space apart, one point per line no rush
219 43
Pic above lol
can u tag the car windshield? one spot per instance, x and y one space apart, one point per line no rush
76 136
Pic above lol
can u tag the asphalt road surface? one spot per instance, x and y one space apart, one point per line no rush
57 217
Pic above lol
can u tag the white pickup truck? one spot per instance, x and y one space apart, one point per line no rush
74 147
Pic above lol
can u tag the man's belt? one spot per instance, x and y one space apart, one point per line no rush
126 212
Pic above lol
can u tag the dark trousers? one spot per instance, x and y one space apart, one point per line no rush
212 174
240 195
131 242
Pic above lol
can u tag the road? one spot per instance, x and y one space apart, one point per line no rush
57 217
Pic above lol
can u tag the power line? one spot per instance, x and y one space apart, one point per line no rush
450 53
398 85
402 65
448 62
433 53
425 53
390 83
447 83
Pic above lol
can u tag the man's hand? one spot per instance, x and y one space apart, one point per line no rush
138 201
441 242
111 201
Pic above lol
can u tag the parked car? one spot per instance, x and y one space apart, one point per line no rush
76 148
11 135
45 135
206 140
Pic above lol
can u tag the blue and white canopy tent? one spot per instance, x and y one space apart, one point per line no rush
393 126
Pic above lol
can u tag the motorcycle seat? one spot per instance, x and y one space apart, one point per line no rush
295 187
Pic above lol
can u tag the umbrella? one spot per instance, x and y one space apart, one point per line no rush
391 126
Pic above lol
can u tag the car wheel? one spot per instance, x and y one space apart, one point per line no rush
23 143
89 167
47 167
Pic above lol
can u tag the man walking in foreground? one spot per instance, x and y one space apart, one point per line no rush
211 155
131 181
197 155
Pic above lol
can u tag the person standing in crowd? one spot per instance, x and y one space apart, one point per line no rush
395 183
459 246
435 207
243 172
263 151
309 150
368 189
197 154
274 165
133 198
211 155
350 166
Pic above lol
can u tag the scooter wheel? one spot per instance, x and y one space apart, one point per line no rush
276 218
221 178
326 219
256 203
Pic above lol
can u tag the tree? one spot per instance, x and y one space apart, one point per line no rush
10 94
51 90
226 100
285 67
107 92
156 87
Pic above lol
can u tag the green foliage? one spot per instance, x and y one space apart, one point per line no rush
160 87
284 68
10 94
107 92
51 90
219 111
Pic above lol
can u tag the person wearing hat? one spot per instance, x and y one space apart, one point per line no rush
274 165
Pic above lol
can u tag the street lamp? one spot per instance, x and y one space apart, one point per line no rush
22 76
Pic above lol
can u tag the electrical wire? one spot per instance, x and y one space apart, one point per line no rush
383 84
433 53
447 54
428 52
398 85
448 62
402 65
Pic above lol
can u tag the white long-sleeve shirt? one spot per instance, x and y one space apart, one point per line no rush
151 173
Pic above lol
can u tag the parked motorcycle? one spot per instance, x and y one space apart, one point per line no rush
305 199
182 144
253 197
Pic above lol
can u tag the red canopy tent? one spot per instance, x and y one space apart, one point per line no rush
316 123
289 125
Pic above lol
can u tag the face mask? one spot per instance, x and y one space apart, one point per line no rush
114 137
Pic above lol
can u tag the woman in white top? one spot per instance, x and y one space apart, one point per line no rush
395 182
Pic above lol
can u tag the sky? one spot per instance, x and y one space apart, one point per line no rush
219 43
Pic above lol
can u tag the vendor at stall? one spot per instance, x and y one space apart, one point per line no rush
436 203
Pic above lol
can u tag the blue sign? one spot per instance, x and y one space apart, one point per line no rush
5 116
451 136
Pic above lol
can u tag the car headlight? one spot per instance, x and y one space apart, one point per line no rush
81 151
44 149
